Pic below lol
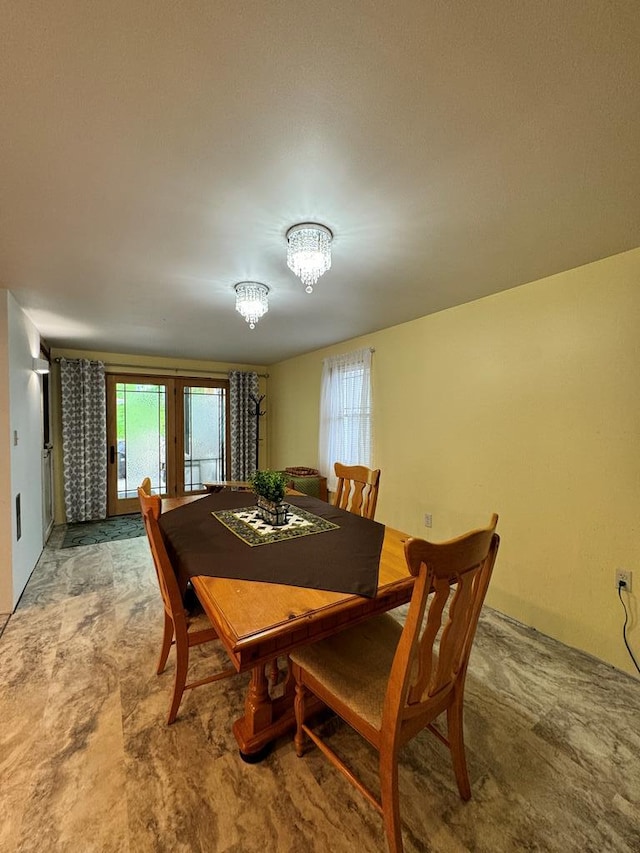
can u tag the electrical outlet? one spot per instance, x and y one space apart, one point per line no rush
623 577
428 519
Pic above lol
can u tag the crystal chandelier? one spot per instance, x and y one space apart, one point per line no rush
309 252
251 301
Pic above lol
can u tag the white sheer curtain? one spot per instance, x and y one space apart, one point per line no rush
345 412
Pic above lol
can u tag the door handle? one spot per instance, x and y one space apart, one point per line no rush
112 454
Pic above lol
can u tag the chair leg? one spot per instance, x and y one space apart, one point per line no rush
456 745
182 664
390 800
166 643
299 707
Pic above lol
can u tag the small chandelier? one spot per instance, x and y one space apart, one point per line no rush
251 301
309 252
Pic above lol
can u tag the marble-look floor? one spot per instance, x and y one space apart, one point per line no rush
88 764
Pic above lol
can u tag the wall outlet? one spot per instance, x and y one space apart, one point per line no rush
623 576
428 519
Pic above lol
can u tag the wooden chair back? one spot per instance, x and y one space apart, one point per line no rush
431 661
427 672
151 506
357 489
177 628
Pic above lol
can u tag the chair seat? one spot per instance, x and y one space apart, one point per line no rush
355 664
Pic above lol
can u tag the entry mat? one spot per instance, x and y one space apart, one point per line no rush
108 530
248 526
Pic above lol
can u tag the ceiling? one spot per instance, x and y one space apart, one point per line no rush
153 154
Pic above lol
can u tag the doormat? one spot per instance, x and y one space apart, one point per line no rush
108 530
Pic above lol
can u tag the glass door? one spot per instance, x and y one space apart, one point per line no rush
174 431
202 426
139 421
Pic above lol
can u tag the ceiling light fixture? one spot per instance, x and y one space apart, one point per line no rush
251 301
309 252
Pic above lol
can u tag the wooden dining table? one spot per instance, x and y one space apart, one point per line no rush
259 623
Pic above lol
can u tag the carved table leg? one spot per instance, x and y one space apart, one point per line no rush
274 673
258 714
257 705
266 719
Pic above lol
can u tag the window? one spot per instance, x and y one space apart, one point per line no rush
345 412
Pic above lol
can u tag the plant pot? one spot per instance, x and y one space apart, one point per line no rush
272 512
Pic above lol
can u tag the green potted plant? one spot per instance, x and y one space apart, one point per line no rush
269 488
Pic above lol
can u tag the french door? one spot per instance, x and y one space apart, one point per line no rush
173 430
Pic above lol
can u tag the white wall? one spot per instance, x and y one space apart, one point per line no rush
25 477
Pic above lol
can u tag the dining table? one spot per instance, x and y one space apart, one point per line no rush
260 621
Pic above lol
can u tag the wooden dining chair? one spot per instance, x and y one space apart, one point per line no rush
357 489
389 682
179 629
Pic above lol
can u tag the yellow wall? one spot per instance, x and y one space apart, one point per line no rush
525 403
146 365
6 446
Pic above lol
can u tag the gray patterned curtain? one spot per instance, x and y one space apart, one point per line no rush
84 439
243 390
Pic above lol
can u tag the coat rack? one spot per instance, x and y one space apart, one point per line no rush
257 402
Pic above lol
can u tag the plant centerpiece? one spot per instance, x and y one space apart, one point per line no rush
269 488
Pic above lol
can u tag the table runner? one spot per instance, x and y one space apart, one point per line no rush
345 559
247 523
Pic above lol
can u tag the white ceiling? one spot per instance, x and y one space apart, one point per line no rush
153 154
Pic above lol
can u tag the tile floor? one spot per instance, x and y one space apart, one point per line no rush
88 764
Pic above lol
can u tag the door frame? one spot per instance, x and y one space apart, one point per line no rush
46 464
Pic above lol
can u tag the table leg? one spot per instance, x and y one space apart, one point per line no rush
258 714
266 719
257 705
274 673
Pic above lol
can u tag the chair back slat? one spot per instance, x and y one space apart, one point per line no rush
452 640
357 489
426 656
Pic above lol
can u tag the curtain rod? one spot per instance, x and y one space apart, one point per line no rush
182 370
